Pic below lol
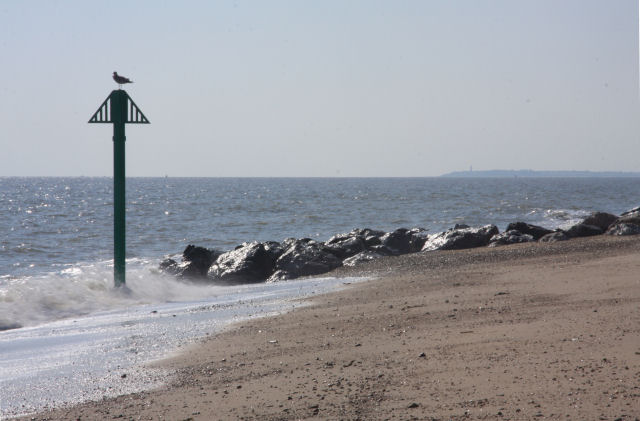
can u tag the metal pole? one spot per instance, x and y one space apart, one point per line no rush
120 105
119 117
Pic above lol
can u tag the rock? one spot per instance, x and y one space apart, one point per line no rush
419 236
169 266
631 211
340 237
382 250
554 236
601 220
460 238
630 217
305 257
622 228
583 230
195 262
372 240
357 240
250 262
368 232
278 275
361 257
535 231
398 241
200 259
368 236
510 237
274 249
346 247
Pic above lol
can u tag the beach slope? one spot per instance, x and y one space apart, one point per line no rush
533 331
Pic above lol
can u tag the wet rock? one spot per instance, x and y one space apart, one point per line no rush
368 232
622 228
533 230
274 249
460 238
368 236
250 262
361 257
305 257
601 220
631 211
346 247
419 236
372 240
382 250
398 241
554 236
341 237
288 242
510 237
401 241
630 217
169 266
583 230
200 258
278 275
195 262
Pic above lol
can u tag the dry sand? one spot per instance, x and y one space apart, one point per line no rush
535 331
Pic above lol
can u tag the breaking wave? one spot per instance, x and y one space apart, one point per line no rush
85 288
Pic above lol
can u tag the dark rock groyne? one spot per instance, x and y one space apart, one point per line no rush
292 258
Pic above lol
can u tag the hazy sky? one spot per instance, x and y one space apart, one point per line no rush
322 88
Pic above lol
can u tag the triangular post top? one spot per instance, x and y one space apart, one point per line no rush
119 108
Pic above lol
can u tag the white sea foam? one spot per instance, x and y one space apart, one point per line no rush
83 288
101 353
563 218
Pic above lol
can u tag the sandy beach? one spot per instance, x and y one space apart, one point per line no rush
531 331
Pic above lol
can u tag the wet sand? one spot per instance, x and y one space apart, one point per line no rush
533 331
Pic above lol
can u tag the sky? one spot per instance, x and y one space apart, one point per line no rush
299 88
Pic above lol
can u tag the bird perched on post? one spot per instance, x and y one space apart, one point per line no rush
120 80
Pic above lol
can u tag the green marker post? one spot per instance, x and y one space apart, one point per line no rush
119 109
119 113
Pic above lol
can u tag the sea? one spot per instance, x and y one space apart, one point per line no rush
67 335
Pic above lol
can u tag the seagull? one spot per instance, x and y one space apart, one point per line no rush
120 80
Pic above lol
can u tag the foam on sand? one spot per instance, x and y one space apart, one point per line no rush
100 354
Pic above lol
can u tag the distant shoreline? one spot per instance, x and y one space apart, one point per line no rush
453 174
534 173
